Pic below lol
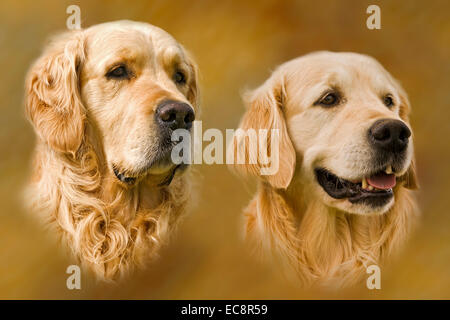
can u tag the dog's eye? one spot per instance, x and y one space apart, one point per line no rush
179 77
388 101
119 72
329 99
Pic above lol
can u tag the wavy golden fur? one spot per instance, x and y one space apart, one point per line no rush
87 125
321 240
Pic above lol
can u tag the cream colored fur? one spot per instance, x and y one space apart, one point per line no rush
319 239
86 123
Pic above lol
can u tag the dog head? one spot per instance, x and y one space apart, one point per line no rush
344 130
132 82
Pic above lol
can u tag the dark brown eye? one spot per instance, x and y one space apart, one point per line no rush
179 77
388 101
329 100
119 72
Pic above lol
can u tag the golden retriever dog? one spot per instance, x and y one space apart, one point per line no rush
104 102
341 198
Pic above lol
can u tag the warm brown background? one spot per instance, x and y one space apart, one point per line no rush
236 45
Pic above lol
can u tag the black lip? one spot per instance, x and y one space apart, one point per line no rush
339 188
123 178
165 182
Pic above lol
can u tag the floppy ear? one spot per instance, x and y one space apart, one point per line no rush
411 176
53 103
411 181
193 93
265 111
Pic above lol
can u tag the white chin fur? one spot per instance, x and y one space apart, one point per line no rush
365 210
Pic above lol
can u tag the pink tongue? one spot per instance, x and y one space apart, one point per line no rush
382 181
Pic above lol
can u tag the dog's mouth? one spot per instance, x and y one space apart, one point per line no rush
165 181
122 177
160 168
374 190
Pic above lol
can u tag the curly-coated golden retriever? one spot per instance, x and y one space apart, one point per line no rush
341 199
103 102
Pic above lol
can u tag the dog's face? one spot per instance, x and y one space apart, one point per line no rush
346 120
137 84
132 82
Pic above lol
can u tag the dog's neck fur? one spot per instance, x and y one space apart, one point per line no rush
109 227
322 245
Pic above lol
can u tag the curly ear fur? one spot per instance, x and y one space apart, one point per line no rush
265 111
411 181
53 103
193 93
110 229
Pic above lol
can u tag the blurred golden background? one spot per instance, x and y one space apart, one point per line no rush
236 45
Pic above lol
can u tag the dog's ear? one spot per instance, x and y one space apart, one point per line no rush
265 111
193 93
53 103
411 181
411 176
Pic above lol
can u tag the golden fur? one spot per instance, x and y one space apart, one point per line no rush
87 124
322 240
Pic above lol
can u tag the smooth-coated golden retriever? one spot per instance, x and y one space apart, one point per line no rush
341 199
103 102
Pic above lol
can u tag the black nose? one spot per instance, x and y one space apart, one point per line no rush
389 135
175 115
